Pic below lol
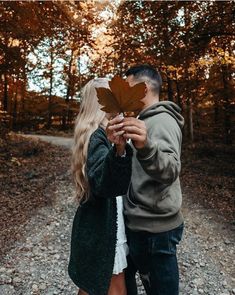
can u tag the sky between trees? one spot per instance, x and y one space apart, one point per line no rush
57 46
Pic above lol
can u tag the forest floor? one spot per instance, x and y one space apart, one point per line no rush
38 205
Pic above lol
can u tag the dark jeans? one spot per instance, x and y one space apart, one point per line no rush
154 256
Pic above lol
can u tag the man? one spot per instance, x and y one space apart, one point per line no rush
152 207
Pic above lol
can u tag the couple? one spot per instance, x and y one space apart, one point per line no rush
135 180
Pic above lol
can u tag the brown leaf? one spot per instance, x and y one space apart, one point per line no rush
121 97
107 100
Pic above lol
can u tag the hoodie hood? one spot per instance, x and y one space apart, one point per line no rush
163 107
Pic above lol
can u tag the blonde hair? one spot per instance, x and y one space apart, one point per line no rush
89 118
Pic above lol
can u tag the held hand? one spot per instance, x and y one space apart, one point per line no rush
115 134
135 129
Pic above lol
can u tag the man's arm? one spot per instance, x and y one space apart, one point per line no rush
158 149
160 157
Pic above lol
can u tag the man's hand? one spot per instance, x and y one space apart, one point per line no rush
135 129
115 134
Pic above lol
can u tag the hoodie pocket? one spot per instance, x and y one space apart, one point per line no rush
150 197
164 194
161 192
160 197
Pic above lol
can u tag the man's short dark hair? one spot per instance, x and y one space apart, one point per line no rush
146 73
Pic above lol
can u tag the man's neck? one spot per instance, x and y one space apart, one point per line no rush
150 101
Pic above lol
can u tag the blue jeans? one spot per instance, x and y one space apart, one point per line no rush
154 256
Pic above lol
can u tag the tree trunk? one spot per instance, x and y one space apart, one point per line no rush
5 93
179 100
190 119
79 70
178 96
169 89
14 109
227 115
216 111
22 116
189 99
167 46
50 90
65 117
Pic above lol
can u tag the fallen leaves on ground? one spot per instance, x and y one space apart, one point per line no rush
28 169
208 177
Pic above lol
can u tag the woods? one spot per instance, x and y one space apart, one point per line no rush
50 49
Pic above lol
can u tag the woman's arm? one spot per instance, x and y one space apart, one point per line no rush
108 174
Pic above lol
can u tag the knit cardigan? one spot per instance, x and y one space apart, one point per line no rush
94 229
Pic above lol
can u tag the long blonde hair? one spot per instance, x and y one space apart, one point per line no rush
89 118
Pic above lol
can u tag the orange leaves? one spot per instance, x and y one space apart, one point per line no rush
121 98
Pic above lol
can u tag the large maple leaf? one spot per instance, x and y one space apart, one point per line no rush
121 98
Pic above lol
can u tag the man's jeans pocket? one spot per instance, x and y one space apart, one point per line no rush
165 243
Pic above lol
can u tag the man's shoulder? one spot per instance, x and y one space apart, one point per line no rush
160 119
161 125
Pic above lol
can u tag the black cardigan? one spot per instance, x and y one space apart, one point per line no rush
94 229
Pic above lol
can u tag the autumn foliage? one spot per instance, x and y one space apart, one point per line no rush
59 45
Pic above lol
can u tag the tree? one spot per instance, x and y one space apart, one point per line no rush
21 34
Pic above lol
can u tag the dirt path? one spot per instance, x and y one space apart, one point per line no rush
38 262
57 140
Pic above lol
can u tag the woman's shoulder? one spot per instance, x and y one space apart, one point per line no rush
100 131
99 135
98 138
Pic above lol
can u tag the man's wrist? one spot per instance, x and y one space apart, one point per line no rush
140 145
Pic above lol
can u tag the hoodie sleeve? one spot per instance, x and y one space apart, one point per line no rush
108 175
160 158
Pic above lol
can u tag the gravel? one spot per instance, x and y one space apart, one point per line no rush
37 264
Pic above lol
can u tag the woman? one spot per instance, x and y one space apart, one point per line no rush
101 166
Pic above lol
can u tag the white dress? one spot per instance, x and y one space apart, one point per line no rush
121 252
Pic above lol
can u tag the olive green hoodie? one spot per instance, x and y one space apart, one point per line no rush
154 197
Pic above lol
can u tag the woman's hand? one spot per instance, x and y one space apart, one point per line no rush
115 133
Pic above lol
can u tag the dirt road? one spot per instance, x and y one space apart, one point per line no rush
38 262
